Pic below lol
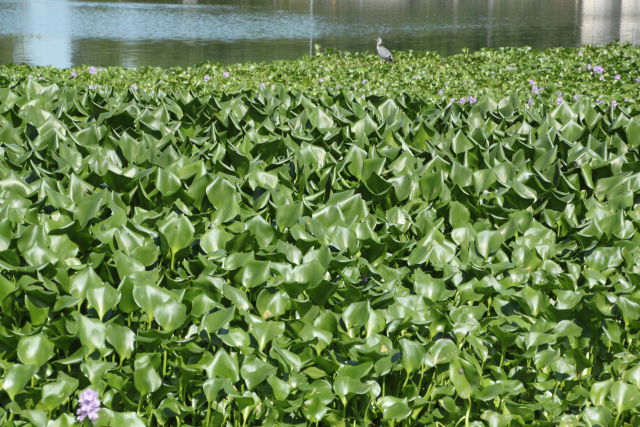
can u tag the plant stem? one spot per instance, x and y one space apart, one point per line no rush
466 418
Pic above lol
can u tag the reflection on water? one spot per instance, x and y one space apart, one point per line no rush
69 32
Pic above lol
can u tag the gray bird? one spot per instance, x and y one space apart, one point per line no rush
383 52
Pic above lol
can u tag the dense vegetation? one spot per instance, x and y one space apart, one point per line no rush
254 245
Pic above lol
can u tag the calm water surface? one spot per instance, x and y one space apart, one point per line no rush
64 33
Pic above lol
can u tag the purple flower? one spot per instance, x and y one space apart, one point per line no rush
364 81
599 101
617 77
89 405
440 92
637 79
559 100
472 99
535 89
91 86
626 100
462 100
207 77
415 77
452 99
321 80
510 67
598 69
576 96
601 78
225 74
532 82
614 103
580 53
262 85
74 74
30 76
93 70
530 101
134 86
589 67
338 86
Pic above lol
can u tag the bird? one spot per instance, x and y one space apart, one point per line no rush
383 52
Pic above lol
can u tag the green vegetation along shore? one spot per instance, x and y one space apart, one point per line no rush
331 240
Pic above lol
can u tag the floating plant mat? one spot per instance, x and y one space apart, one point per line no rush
276 256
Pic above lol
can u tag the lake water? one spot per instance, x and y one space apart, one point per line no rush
134 33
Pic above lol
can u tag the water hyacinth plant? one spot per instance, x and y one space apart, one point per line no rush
237 252
89 406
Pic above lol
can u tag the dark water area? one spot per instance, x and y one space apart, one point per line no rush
66 33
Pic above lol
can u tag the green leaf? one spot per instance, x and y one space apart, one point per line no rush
254 371
145 376
412 355
16 377
35 350
92 332
633 131
178 231
393 408
103 298
166 182
170 315
219 319
224 366
122 339
624 396
56 393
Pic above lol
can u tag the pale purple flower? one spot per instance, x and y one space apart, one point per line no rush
626 100
535 89
472 99
532 82
321 80
91 86
134 86
74 74
462 100
338 86
614 103
589 67
617 77
93 70
452 99
510 67
225 74
637 79
207 77
30 76
262 85
530 101
440 92
40 78
599 101
364 81
576 96
415 77
580 53
598 69
559 100
601 78
89 405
